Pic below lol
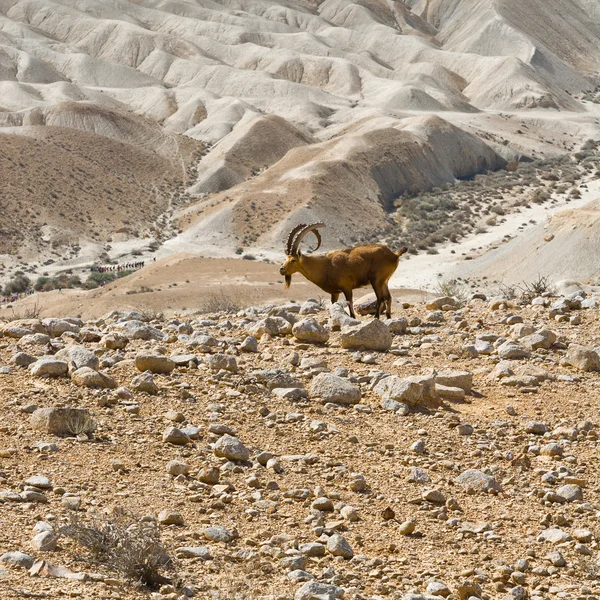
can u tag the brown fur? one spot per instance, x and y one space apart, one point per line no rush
341 271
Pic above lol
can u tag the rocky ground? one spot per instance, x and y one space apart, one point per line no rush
288 452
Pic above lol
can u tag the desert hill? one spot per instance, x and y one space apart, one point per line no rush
307 109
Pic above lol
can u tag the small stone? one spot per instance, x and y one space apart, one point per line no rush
418 447
311 331
177 467
155 363
464 429
407 527
314 590
172 435
63 421
170 517
71 502
219 534
87 377
39 481
331 388
582 358
312 549
209 475
372 335
570 492
323 504
435 496
450 393
17 560
337 545
536 427
144 383
557 559
551 449
554 536
399 390
218 362
231 448
45 541
201 552
388 514
49 367
474 479
250 344
438 588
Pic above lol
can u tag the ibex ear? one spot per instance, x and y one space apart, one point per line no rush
402 251
299 253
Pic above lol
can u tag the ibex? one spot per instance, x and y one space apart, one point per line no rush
341 271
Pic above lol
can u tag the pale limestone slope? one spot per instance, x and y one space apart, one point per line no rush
301 89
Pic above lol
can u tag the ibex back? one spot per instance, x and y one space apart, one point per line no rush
341 271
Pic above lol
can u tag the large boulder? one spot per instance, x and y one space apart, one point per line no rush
155 363
582 358
77 357
331 388
400 390
373 335
86 377
310 330
63 421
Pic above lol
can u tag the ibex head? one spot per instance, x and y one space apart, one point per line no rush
292 249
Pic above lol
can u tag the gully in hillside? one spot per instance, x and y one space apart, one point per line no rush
341 271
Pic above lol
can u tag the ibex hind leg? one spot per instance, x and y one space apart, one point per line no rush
387 300
380 298
348 296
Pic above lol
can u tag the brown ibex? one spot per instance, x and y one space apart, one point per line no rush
341 271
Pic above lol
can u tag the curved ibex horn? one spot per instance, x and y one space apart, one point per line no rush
290 241
306 229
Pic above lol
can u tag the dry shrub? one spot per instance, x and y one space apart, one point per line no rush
150 313
123 543
532 289
80 423
452 288
31 312
219 302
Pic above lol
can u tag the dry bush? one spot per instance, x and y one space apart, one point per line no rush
150 313
532 289
452 288
31 312
124 543
80 423
219 302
